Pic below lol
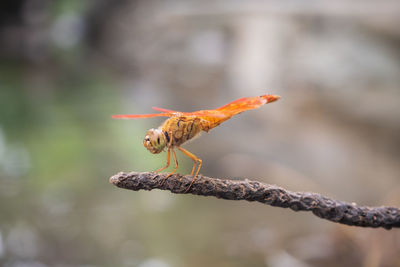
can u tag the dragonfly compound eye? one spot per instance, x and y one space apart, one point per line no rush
154 141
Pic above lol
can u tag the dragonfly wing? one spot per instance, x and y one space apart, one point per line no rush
138 116
164 110
214 117
247 103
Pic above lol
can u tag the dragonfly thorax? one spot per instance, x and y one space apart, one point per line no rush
154 140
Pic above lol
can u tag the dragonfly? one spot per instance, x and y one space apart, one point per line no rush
181 127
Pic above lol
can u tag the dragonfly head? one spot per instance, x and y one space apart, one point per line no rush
154 141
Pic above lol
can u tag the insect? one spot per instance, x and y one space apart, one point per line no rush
183 126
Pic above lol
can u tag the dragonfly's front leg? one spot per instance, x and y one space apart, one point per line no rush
176 166
168 160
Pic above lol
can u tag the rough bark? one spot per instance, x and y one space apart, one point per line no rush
321 206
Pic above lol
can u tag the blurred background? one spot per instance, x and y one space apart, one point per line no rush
66 66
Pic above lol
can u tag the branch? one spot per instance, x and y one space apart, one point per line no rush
323 207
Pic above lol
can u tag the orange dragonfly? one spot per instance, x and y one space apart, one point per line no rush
183 126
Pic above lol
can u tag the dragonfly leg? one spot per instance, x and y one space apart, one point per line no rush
195 159
176 166
168 160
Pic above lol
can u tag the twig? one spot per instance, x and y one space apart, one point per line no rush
323 207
